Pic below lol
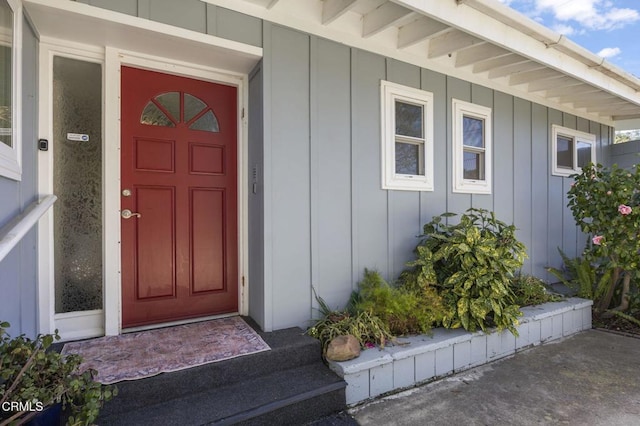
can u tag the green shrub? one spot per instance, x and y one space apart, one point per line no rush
364 326
405 310
529 290
588 280
31 371
472 264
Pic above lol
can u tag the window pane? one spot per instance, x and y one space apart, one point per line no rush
584 153
409 120
473 165
77 181
408 159
564 147
171 102
153 116
6 72
207 122
473 132
192 106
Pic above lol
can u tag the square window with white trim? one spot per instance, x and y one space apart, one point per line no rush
571 150
10 35
471 148
407 138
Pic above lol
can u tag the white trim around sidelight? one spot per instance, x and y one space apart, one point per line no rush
80 324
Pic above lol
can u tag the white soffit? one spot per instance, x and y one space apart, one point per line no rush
481 41
81 23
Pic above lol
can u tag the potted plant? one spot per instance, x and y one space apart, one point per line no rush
33 378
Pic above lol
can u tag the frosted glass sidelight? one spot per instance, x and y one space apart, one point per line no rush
77 170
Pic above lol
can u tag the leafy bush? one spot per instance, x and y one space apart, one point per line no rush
588 280
404 310
472 264
364 326
605 203
29 371
529 290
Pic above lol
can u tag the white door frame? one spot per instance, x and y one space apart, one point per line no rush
115 59
108 321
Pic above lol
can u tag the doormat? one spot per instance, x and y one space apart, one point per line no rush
148 353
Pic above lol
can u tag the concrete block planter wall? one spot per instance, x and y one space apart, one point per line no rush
424 358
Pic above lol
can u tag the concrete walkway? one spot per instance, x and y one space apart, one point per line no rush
592 378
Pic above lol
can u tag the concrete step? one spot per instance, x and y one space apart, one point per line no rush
287 385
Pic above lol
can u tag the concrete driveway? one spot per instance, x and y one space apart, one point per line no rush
592 378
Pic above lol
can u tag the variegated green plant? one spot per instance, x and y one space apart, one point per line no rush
472 263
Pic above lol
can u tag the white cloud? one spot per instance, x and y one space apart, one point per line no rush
609 52
564 29
590 14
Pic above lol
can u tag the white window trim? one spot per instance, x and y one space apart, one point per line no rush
576 135
389 93
11 157
460 184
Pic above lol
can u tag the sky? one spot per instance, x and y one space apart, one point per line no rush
609 28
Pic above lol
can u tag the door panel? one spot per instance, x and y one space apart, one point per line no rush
207 235
156 267
179 156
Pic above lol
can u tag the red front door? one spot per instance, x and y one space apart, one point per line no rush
179 182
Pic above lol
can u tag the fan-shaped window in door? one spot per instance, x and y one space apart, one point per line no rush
171 108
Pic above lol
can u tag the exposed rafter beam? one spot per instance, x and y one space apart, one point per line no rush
600 103
515 68
450 42
419 30
579 96
478 53
622 109
333 9
533 75
383 17
489 64
570 91
626 117
538 86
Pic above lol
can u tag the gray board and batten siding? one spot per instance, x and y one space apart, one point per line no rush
318 216
326 216
18 271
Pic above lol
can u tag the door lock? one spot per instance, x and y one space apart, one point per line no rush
127 214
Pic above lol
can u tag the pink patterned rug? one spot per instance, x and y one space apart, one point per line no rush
137 355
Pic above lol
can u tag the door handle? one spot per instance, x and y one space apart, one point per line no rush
127 214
